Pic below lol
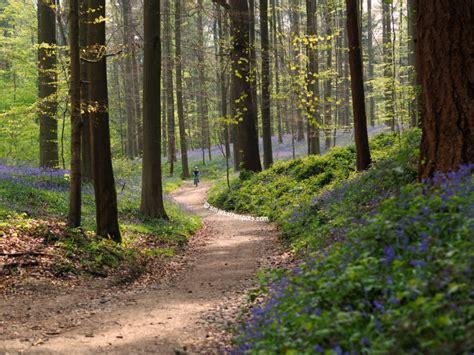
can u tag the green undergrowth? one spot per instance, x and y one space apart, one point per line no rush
30 203
386 261
286 193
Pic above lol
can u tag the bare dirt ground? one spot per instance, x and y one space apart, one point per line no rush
186 312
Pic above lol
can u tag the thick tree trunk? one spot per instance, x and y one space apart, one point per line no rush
445 48
104 183
357 85
266 120
86 160
152 189
179 91
241 95
74 216
169 86
313 111
47 84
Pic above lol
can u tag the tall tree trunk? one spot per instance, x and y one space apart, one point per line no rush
104 183
203 104
346 112
253 60
266 120
241 95
222 77
357 85
169 86
152 190
313 111
388 62
164 106
446 74
328 84
370 54
137 99
74 216
47 84
277 71
118 88
413 105
295 33
86 159
132 145
179 90
190 111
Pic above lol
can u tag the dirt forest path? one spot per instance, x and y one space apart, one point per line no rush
183 315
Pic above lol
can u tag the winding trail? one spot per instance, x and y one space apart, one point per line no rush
168 318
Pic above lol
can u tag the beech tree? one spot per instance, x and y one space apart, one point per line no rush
86 155
241 93
179 90
169 85
202 83
446 75
266 112
74 218
277 71
388 62
313 108
370 65
104 182
152 190
47 84
357 85
129 82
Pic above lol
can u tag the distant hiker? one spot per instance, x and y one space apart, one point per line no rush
196 174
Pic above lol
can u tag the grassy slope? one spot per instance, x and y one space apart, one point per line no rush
388 262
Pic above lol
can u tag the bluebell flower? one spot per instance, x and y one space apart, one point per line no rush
417 263
318 348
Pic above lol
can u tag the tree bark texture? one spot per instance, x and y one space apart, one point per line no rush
104 183
241 95
266 119
357 85
445 52
47 84
179 90
74 216
152 189
313 111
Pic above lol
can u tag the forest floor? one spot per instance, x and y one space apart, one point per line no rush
189 310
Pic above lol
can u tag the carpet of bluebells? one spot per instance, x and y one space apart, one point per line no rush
387 261
398 280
